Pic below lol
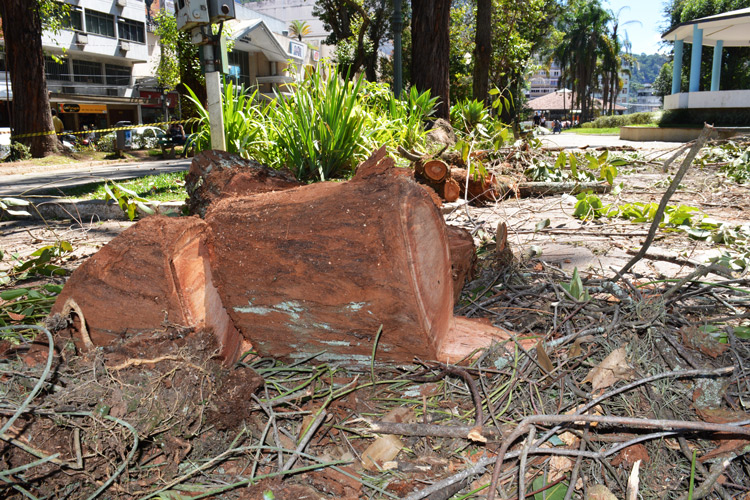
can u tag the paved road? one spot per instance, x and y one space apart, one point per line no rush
30 183
569 140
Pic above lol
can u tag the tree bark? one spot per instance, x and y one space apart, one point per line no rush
22 29
483 50
430 25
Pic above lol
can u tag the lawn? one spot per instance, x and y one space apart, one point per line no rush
163 187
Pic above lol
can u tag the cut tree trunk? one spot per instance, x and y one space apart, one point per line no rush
156 272
218 174
320 268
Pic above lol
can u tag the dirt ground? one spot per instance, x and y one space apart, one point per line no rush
211 432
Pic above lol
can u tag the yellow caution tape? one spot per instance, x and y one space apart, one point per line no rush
96 131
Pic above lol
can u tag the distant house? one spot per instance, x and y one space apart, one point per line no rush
560 104
645 100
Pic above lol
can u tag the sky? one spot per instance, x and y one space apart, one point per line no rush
644 37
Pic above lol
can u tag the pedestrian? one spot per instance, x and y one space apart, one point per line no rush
57 122
176 133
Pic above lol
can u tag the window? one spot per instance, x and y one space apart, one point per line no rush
239 68
2 62
131 30
56 71
100 23
87 72
74 19
117 75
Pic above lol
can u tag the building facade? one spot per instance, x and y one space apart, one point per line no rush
100 68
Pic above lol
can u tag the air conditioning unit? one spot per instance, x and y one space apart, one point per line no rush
122 3
124 46
113 92
68 90
82 39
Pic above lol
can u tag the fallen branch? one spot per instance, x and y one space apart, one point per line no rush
705 134
672 425
530 189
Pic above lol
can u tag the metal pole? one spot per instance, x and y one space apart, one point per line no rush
397 27
213 96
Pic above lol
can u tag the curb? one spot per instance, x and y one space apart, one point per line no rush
88 209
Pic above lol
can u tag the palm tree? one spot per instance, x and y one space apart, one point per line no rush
299 29
584 41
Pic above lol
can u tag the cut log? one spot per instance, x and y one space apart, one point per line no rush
481 189
156 271
531 189
434 171
451 191
217 174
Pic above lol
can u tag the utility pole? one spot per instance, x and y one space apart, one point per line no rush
398 25
197 17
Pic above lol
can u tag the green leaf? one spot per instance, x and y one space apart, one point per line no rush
66 246
574 165
542 224
556 492
13 294
56 289
15 202
742 332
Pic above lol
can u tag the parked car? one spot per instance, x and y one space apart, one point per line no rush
145 136
4 142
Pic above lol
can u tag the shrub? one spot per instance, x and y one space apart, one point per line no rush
18 152
643 118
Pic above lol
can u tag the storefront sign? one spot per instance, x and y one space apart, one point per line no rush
83 108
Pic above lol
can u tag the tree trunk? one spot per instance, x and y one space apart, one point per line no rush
430 23
22 30
483 50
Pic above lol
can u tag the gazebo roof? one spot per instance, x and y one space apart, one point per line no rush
732 27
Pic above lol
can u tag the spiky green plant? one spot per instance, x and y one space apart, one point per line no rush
319 128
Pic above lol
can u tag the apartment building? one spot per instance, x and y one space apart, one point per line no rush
101 67
546 80
92 82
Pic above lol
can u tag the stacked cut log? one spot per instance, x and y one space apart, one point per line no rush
437 175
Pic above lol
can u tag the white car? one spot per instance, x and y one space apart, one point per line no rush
4 142
145 136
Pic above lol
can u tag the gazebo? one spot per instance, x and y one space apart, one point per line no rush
730 29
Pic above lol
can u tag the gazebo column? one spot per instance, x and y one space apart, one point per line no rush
716 68
677 66
695 61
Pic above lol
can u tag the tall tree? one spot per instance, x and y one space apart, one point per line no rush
22 29
482 50
585 39
357 29
430 31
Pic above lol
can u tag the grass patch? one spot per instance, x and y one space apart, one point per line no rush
163 187
594 131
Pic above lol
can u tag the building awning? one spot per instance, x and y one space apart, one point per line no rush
96 99
732 27
255 36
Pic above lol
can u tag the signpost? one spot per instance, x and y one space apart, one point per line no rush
197 17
